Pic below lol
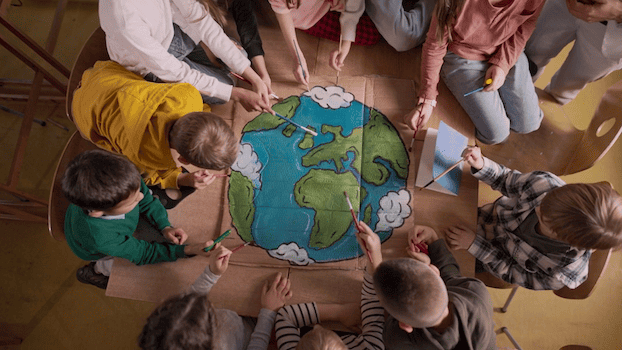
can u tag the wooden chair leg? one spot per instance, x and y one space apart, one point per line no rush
504 309
506 331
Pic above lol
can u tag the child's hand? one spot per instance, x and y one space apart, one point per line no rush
414 252
297 70
198 179
197 248
370 241
219 259
250 100
424 234
338 56
274 296
266 80
174 235
473 156
498 78
459 237
419 116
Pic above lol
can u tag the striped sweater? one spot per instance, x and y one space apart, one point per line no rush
291 318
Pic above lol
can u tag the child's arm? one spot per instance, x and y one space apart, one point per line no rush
273 297
290 319
348 19
439 255
291 42
511 183
151 208
431 62
508 53
216 267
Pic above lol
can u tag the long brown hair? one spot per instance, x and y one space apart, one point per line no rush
218 13
446 12
587 216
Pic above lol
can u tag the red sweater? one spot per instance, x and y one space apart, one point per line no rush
481 32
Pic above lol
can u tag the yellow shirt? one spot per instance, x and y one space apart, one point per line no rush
121 112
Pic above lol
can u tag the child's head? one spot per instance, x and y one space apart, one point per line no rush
100 181
321 338
412 292
205 140
587 216
183 322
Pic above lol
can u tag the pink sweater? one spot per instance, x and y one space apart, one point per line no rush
481 32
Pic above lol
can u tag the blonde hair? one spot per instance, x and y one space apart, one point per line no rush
587 216
446 12
321 338
205 140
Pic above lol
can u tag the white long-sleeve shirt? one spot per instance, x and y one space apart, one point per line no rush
139 33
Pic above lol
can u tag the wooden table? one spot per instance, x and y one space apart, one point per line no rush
201 214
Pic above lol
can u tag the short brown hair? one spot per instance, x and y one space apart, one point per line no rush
205 140
320 338
183 322
99 180
586 216
411 292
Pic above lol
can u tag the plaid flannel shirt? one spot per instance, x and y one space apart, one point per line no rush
507 256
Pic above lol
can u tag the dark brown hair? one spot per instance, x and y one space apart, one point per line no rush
411 292
218 13
183 322
446 12
587 216
205 140
99 180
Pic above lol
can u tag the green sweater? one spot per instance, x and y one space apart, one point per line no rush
94 238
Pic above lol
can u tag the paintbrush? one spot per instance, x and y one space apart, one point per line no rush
235 250
357 226
340 39
217 240
274 96
443 173
304 75
488 82
412 142
296 124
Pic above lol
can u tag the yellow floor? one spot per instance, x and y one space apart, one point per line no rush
40 295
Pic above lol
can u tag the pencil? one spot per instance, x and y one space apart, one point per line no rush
443 173
235 250
296 124
488 82
220 238
304 75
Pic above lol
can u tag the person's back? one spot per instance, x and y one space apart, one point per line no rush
428 311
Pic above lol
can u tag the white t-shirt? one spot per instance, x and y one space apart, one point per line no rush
139 32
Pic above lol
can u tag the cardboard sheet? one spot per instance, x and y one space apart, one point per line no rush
205 214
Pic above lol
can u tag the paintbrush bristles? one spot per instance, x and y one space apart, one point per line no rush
348 199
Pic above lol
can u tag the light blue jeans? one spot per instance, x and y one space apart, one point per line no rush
185 50
403 24
513 107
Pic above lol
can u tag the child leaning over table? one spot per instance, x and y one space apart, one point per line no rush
541 232
119 111
432 306
292 317
189 321
107 196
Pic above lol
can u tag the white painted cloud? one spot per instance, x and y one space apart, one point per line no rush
293 253
248 164
333 97
394 209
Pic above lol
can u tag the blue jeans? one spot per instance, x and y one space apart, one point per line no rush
185 50
513 107
403 28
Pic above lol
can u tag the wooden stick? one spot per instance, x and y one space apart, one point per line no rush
443 173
